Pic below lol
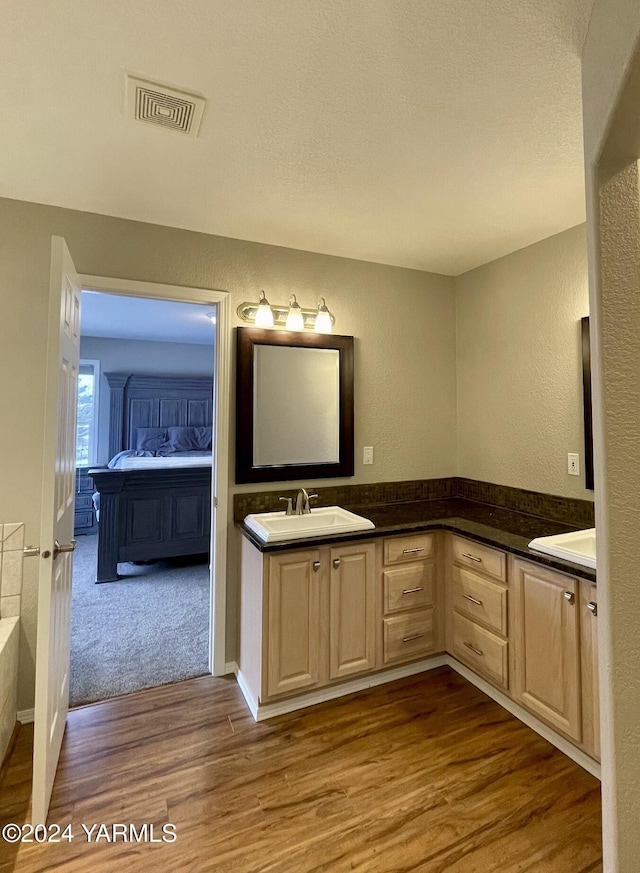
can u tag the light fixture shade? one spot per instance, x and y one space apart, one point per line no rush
264 313
295 318
323 322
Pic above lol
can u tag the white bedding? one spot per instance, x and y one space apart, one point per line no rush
133 463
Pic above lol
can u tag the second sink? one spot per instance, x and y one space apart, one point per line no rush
272 527
578 546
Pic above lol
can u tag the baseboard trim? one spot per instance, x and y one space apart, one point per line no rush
260 712
231 668
25 716
246 693
565 746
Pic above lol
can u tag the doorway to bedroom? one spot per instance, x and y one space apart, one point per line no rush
142 587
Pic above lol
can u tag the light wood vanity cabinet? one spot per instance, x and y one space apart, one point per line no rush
311 618
546 645
307 617
410 626
477 594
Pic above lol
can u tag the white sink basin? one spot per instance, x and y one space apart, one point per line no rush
578 546
278 527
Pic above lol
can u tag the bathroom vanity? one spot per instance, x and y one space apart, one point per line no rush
319 619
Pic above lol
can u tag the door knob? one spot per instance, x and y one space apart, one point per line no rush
58 549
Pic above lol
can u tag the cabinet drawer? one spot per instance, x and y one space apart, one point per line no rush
82 520
84 484
480 649
481 600
399 550
480 557
408 587
408 636
83 502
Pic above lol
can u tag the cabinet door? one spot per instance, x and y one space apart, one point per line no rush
352 627
293 621
546 641
589 666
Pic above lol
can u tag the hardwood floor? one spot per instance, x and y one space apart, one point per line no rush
425 774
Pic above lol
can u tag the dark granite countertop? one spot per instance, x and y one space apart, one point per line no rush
503 528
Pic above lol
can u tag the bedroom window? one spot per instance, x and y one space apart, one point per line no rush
87 427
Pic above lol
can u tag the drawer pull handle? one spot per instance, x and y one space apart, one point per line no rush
316 566
412 637
413 590
472 557
593 608
412 551
472 599
570 597
473 649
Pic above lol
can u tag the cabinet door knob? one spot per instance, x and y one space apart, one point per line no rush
570 597
592 607
316 566
336 563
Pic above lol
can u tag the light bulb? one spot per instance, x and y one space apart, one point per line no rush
323 318
264 313
295 318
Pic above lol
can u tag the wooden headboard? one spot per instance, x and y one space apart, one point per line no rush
155 401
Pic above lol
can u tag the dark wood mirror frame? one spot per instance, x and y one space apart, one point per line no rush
246 471
586 390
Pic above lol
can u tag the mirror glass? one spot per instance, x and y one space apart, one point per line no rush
294 405
295 419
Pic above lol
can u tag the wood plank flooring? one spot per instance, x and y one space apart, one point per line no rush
425 774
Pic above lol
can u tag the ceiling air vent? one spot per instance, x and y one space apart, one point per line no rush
166 107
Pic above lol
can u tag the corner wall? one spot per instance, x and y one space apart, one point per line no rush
519 366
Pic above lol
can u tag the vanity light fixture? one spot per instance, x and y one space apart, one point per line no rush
292 317
295 318
323 323
264 313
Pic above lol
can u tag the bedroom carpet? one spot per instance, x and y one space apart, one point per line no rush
149 628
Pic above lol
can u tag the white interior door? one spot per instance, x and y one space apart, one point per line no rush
56 544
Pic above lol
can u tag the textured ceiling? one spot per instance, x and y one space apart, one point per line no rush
422 133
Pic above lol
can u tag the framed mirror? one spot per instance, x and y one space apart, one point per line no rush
294 405
586 396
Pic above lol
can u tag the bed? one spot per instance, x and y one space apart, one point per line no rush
154 497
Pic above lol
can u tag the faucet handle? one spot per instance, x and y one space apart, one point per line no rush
289 506
307 506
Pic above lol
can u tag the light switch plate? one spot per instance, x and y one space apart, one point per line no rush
367 455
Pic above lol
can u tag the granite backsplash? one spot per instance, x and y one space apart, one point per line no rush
566 510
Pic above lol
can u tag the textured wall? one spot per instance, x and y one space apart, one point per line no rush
611 96
403 321
138 356
520 368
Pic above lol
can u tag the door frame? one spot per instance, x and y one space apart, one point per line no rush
220 491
